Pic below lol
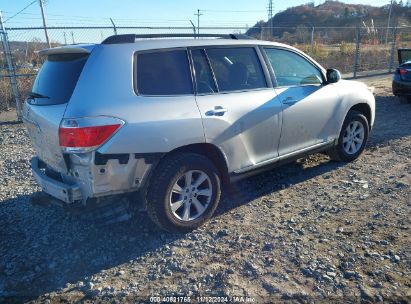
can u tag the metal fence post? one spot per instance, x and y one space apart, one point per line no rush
393 45
357 51
312 39
6 101
10 67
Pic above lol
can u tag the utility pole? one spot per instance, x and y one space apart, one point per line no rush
388 23
270 16
44 23
10 68
198 20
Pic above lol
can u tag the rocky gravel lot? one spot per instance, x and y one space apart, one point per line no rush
312 231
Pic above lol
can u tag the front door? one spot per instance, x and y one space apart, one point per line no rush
308 104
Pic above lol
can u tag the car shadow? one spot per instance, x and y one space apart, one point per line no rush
51 247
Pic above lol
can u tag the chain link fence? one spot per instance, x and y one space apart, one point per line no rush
354 51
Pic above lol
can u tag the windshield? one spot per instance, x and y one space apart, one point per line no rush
57 79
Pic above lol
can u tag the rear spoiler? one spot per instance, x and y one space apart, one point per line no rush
69 49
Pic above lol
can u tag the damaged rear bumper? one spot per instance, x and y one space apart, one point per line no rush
92 177
61 190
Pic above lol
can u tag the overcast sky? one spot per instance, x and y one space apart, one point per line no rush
147 13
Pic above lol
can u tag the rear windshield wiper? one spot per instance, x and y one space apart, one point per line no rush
37 95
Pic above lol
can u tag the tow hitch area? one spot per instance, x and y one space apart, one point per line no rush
101 211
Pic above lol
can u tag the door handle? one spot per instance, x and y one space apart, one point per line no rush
218 111
289 101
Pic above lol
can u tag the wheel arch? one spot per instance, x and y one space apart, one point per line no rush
364 109
210 151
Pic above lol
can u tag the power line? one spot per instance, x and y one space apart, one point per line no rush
31 3
234 11
84 19
52 21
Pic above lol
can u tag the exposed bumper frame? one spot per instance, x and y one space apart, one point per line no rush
60 190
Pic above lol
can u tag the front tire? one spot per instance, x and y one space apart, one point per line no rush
353 138
184 192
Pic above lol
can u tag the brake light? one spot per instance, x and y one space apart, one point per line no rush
403 71
85 134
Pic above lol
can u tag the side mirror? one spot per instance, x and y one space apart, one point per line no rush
333 76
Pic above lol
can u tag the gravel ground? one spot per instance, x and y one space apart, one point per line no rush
312 231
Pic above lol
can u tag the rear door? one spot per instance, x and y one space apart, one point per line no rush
46 104
308 104
240 110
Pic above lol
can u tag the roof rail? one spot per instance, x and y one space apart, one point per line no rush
131 38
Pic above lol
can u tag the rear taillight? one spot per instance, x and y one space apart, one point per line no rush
78 135
402 71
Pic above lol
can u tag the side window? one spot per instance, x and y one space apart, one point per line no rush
163 73
204 77
291 69
236 68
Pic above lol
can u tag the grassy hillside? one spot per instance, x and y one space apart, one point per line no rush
332 14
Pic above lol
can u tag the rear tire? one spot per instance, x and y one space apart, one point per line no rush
183 193
353 138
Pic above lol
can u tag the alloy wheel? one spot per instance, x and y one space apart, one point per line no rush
191 195
353 138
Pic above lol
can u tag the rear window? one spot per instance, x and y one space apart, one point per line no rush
404 55
163 73
57 78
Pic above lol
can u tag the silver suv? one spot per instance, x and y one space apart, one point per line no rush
167 122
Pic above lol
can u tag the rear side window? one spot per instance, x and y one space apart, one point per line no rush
163 73
236 69
58 77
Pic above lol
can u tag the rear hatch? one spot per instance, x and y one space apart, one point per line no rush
44 109
404 59
405 71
